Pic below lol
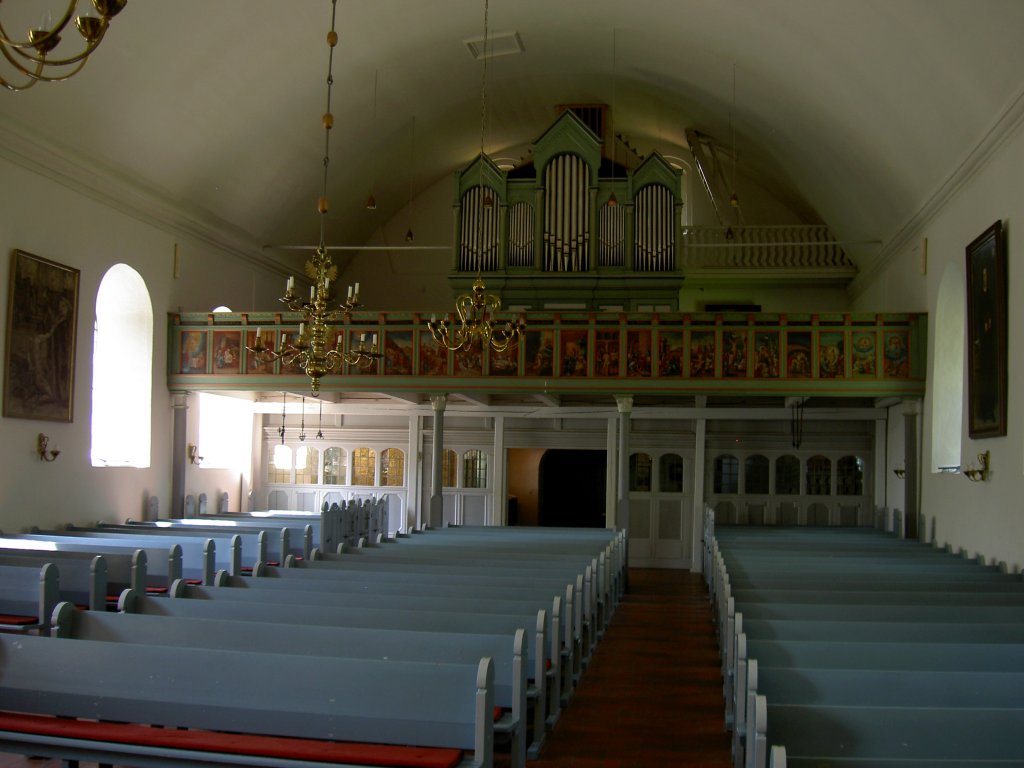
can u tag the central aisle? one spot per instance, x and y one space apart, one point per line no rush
652 697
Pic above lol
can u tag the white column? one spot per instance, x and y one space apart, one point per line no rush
625 406
911 512
179 442
499 479
413 512
880 497
700 438
611 484
436 516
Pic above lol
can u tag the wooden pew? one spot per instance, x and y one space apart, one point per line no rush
82 580
28 595
913 737
510 653
488 553
258 544
302 533
437 605
446 707
162 564
405 571
546 659
124 569
229 551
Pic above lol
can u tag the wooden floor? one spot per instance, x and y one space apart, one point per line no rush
652 697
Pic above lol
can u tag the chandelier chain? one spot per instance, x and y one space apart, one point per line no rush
310 350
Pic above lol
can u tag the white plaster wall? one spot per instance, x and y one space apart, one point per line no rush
47 219
984 518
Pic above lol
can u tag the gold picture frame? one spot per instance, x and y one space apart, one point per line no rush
42 326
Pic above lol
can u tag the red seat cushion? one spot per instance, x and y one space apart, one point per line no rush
17 620
233 743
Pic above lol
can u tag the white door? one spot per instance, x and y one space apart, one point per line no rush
661 511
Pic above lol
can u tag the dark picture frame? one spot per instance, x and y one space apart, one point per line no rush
42 327
986 333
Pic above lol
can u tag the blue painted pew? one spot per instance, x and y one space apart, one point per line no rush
444 710
510 653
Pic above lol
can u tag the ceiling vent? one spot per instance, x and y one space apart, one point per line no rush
500 44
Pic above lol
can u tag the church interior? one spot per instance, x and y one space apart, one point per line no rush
583 265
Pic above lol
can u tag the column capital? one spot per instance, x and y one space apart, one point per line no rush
179 400
438 402
624 404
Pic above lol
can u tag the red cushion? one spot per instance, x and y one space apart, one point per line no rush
18 620
156 590
233 743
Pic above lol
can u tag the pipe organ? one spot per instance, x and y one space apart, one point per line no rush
566 214
552 236
573 230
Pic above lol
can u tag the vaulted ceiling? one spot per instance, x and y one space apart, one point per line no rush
207 113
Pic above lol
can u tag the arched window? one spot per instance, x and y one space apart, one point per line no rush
819 476
307 465
727 474
850 476
122 371
279 470
670 473
640 472
474 469
392 467
787 475
364 466
755 474
335 466
449 468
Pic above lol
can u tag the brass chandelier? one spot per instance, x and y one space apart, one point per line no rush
476 310
31 56
309 350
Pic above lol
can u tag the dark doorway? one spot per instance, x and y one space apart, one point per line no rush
572 485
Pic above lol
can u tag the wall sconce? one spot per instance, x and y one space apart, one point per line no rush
900 472
193 455
41 448
978 474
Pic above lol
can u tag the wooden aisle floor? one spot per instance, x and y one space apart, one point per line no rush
652 696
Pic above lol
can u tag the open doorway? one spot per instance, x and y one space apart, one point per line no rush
556 487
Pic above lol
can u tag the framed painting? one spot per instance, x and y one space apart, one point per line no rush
227 352
573 352
862 354
798 355
670 353
702 354
433 357
504 363
831 355
766 355
42 325
540 353
469 362
734 354
606 353
638 353
986 333
398 353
